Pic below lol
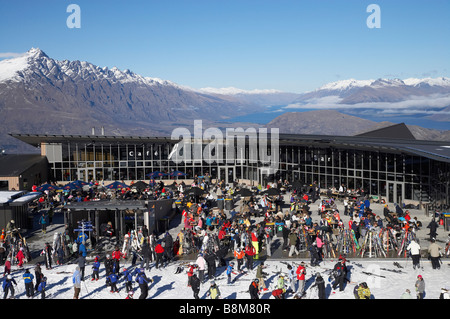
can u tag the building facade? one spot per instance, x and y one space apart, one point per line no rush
396 169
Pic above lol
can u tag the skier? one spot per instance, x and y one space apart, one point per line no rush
213 292
20 257
254 289
143 282
190 273
435 254
339 273
230 271
112 282
250 252
108 265
279 293
414 250
116 255
128 279
292 279
363 291
406 295
314 252
159 250
76 280
195 285
433 225
41 287
420 287
260 276
28 280
320 284
201 266
146 255
301 272
239 255
43 223
47 252
38 275
95 269
8 286
210 258
444 294
7 269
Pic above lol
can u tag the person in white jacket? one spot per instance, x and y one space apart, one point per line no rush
414 249
201 264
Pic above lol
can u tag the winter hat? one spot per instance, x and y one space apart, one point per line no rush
420 276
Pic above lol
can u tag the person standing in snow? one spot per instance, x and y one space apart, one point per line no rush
143 282
76 280
340 273
195 285
414 249
320 284
28 280
42 286
444 294
8 286
95 269
201 264
301 273
420 287
435 254
406 295
254 289
213 292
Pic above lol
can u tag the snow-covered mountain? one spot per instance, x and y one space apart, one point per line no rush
39 94
428 97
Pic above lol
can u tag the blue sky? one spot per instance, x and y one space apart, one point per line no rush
250 44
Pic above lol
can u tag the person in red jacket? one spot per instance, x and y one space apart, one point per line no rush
116 255
250 251
20 257
159 250
301 273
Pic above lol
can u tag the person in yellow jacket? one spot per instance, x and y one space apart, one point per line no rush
364 291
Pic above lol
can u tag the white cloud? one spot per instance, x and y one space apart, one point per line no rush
414 105
6 55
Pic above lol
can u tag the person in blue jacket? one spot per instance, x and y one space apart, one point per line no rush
28 280
128 276
95 269
41 287
230 271
112 281
143 282
8 286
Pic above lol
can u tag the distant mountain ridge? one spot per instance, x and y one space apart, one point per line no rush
40 95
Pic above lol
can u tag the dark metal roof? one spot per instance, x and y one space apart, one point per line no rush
107 205
36 139
436 150
16 164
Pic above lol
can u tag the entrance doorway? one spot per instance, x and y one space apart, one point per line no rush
395 192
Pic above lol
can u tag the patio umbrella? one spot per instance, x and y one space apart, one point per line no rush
139 185
47 187
74 185
244 192
117 185
156 174
272 191
177 174
195 191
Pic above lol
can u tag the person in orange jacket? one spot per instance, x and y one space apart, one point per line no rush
239 254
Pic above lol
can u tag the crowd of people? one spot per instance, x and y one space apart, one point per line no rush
239 239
